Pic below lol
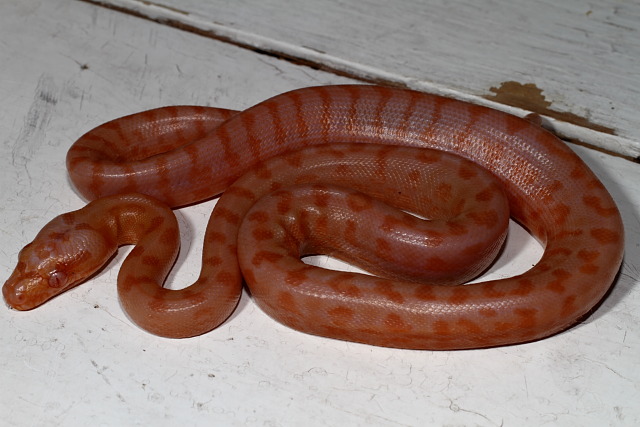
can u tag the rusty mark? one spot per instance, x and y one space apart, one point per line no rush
530 98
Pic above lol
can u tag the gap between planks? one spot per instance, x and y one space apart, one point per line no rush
603 141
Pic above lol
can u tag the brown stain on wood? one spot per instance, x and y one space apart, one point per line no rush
530 98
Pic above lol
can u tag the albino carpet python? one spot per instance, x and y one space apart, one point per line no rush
334 170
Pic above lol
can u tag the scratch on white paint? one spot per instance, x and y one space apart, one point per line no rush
32 133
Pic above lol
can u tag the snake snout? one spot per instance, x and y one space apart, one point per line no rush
18 292
13 295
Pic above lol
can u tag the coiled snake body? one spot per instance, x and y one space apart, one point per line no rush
316 165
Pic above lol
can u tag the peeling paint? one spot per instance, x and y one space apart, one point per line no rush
529 97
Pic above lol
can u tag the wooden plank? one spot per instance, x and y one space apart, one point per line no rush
576 63
68 66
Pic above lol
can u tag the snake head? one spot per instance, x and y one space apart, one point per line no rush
63 254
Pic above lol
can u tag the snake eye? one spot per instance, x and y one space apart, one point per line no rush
57 279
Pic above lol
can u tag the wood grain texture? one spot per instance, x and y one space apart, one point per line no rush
583 57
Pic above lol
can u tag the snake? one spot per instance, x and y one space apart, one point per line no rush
416 189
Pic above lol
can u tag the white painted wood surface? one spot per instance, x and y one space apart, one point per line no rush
66 66
583 56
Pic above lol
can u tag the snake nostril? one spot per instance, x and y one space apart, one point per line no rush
18 291
13 296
